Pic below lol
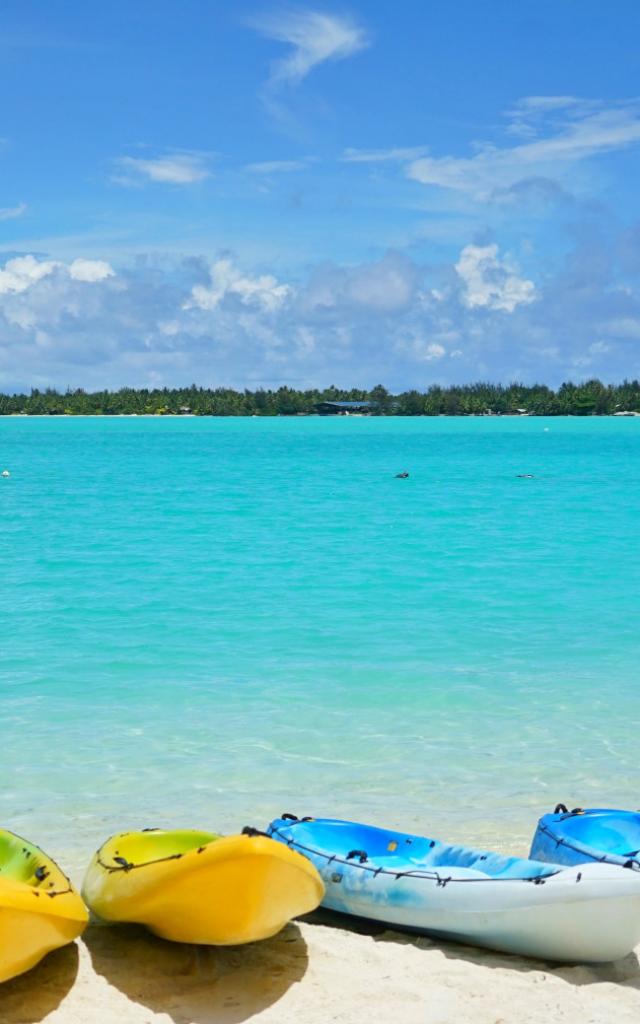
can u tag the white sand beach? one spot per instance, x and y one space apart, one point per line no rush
312 973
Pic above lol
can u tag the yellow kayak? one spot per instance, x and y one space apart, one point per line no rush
198 887
39 908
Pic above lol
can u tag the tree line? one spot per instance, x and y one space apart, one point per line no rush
591 398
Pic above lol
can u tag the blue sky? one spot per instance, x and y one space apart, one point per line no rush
256 194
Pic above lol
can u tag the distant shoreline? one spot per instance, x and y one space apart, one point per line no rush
309 415
590 398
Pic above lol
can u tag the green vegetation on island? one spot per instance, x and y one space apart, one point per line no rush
591 398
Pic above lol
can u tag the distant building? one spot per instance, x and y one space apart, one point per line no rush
343 408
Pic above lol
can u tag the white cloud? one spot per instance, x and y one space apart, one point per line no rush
314 37
276 166
39 297
434 351
424 351
384 286
226 280
491 282
413 343
10 212
23 271
576 131
172 169
371 156
548 102
392 320
90 270
526 116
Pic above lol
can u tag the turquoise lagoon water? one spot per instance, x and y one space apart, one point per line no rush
210 621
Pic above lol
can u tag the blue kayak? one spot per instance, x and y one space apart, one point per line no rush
580 836
455 892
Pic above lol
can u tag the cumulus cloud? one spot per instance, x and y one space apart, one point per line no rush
434 351
39 297
11 212
393 320
90 270
490 281
385 285
419 348
23 271
227 281
559 133
172 169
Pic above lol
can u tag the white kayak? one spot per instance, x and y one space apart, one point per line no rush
586 913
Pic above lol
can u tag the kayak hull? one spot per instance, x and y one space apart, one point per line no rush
39 908
586 915
216 891
25 938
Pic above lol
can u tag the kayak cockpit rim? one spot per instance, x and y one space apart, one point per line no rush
355 860
193 842
29 849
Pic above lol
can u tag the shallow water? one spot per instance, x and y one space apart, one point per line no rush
210 621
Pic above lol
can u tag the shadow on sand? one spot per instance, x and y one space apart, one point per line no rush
33 995
621 972
199 984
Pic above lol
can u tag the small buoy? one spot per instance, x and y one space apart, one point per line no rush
402 476
5 472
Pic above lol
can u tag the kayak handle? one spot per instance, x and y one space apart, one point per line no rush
360 854
562 809
125 865
289 817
